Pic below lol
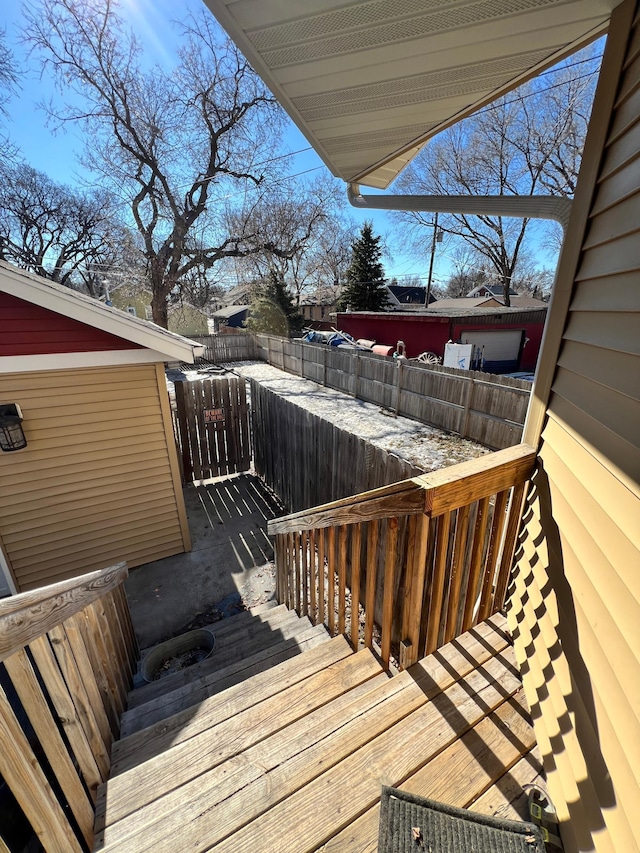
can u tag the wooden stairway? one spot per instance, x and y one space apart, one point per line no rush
292 758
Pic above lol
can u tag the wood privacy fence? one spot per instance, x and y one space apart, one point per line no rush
425 559
484 407
213 434
69 653
222 348
307 460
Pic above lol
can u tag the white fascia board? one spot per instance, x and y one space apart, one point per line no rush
71 360
91 312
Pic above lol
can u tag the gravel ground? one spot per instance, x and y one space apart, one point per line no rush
426 447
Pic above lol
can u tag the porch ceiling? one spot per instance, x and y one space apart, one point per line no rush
368 83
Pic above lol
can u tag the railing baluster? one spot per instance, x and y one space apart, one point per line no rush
87 675
389 580
27 686
20 768
495 540
356 556
66 712
103 662
288 581
372 567
342 577
457 571
437 587
477 552
105 630
312 577
296 564
509 546
322 537
127 625
416 574
304 571
77 690
331 570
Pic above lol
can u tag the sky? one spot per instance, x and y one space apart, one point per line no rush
152 21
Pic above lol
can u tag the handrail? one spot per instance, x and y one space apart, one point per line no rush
69 651
475 479
432 493
367 506
426 558
29 615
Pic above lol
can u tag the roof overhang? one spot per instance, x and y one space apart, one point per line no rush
368 83
62 300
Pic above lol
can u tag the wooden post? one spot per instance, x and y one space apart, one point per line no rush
302 361
356 373
467 407
269 351
400 363
324 366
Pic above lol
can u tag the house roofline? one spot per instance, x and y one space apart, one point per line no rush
70 303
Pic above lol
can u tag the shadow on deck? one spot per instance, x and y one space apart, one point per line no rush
294 758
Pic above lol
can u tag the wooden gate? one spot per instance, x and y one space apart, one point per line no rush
213 434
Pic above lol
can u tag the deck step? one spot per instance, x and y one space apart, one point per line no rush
338 687
235 638
297 638
288 763
130 750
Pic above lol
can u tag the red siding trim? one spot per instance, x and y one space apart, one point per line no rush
27 329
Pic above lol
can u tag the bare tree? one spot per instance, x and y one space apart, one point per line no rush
177 144
59 233
526 143
305 222
8 83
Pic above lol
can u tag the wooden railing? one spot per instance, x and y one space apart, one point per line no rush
68 653
411 565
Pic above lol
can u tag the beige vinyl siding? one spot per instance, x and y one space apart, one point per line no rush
575 603
97 482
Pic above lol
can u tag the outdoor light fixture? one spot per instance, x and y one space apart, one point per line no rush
11 433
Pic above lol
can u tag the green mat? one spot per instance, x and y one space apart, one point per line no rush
410 824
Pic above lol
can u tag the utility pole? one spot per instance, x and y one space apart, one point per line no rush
433 252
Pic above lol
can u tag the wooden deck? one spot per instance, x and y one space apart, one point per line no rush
293 759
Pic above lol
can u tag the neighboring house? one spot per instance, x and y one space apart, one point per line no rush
465 302
407 298
232 317
241 294
319 307
98 481
490 290
184 318
508 339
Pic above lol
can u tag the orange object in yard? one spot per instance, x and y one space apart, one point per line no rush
383 349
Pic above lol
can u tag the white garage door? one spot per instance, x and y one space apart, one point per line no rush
501 346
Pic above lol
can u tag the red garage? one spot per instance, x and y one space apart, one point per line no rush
510 337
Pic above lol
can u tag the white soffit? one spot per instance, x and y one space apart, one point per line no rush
369 82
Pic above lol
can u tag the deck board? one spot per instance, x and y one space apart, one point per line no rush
129 792
271 777
131 751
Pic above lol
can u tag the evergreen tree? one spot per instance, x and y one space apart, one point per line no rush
365 286
273 311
